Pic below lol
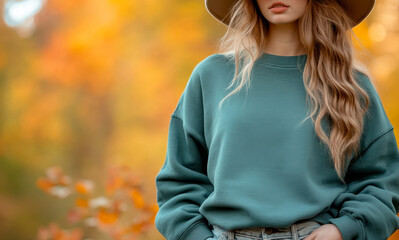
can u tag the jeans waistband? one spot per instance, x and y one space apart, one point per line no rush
296 231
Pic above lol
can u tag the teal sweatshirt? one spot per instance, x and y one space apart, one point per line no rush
252 164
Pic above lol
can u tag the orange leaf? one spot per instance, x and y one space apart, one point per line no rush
137 227
84 186
106 217
137 198
44 184
81 202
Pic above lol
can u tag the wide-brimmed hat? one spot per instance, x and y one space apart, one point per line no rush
356 9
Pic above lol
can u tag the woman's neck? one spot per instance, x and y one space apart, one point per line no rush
283 40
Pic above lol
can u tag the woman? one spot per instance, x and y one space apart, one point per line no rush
256 165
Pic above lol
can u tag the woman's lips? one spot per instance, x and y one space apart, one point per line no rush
278 9
278 4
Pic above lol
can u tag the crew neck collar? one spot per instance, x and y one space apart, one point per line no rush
283 61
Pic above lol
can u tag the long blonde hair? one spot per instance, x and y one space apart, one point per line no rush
325 32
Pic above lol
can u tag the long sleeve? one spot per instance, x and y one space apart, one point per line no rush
371 202
369 206
182 182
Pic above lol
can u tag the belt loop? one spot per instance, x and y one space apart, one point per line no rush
231 234
294 232
264 234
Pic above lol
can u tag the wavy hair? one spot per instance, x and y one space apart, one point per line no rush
329 74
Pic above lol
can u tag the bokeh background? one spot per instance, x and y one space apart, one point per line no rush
86 92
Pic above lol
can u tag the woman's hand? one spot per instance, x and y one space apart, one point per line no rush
325 232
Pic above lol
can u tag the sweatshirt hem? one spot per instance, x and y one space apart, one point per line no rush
197 231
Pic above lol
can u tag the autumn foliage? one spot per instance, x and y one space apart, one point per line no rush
122 192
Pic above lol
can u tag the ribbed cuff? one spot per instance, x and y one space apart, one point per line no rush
348 226
199 231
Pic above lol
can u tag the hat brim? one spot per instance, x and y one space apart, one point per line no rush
358 10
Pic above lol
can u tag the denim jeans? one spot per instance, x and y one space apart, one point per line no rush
297 231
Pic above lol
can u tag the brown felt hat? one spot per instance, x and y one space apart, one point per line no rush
357 9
